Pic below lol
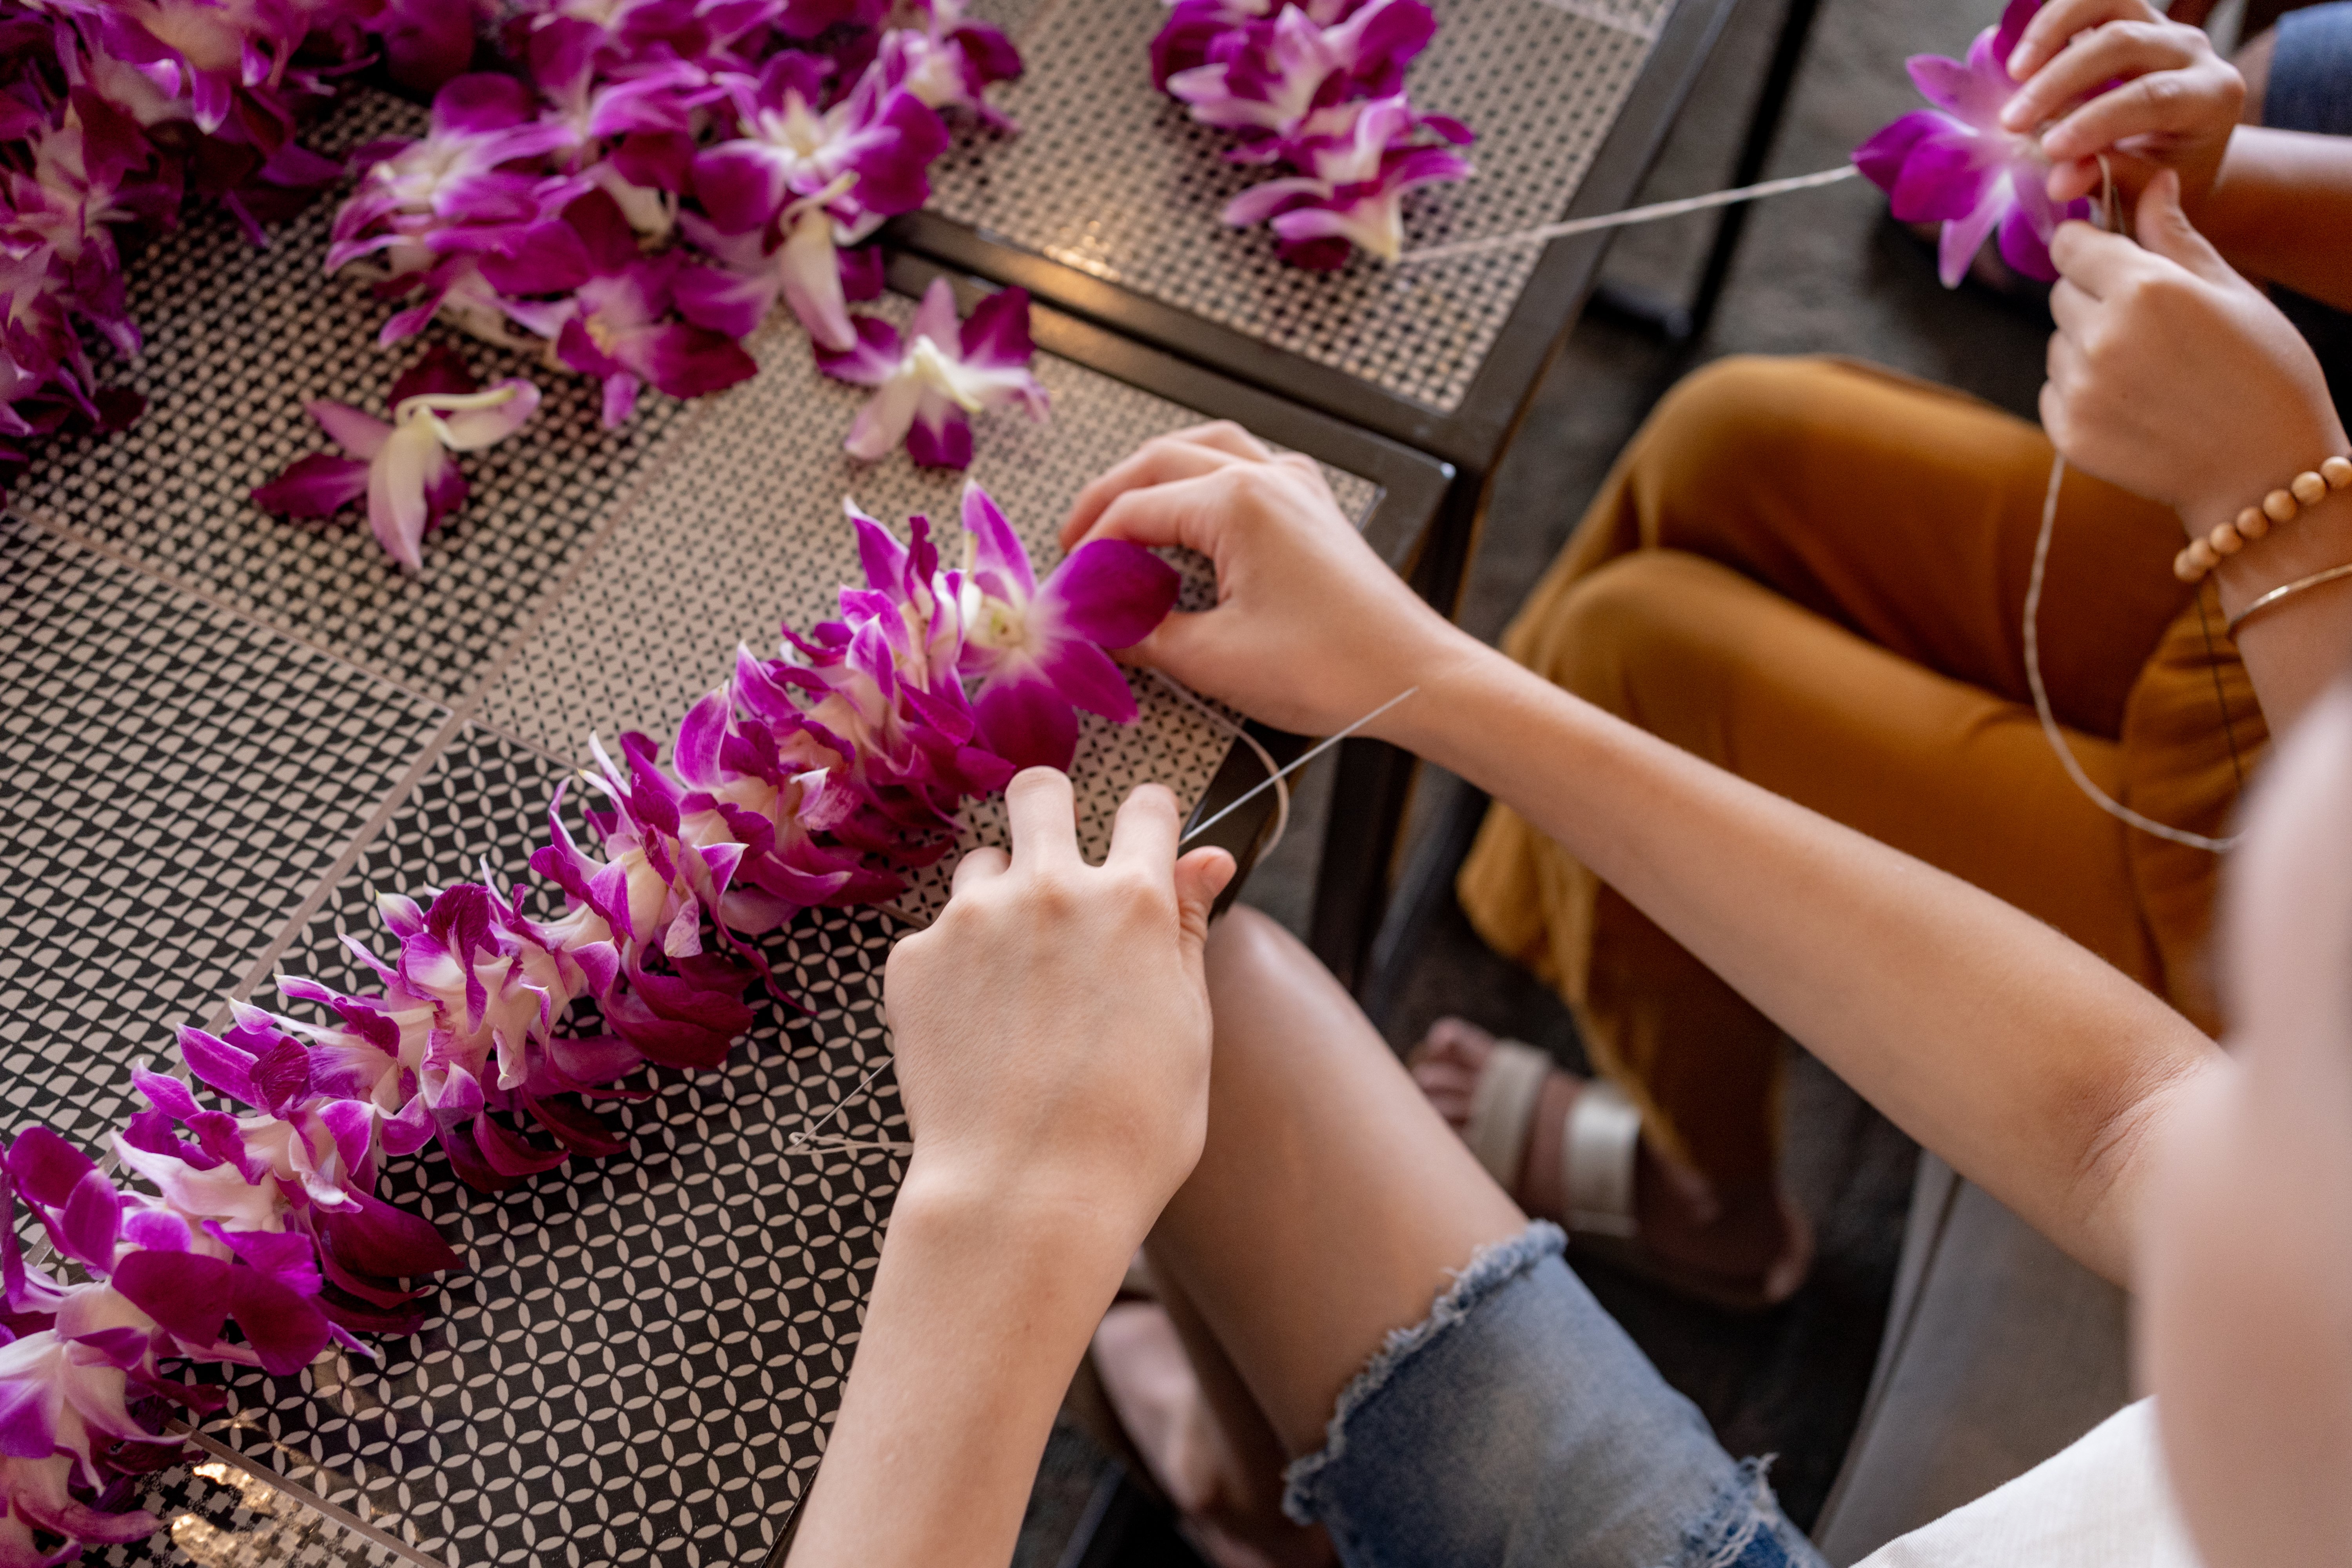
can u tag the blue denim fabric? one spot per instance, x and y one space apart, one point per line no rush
2310 73
1517 1426
2311 89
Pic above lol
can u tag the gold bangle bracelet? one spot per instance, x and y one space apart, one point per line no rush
2286 590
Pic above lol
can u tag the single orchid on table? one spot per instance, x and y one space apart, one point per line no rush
1955 163
929 383
404 469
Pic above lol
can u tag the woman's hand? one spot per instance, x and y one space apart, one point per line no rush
2174 106
2174 377
1311 631
1052 1027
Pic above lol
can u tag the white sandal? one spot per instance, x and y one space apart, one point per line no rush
1597 1146
1601 1145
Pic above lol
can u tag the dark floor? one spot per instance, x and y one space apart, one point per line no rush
1819 272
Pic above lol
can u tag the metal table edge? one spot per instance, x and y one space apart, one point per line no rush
1471 436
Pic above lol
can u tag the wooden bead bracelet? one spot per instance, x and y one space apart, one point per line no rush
2308 488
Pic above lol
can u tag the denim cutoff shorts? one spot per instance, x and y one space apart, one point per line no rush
1518 1426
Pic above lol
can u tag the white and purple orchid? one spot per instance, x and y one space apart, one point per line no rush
1955 165
1352 188
817 779
1037 650
404 469
1319 86
929 384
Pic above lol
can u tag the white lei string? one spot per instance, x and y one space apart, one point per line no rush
2112 214
1650 214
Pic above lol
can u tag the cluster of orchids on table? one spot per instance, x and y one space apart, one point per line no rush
633 198
1958 165
1317 85
818 779
113 114
624 190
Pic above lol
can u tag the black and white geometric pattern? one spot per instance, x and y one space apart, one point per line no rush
209 711
178 778
1112 177
219 1515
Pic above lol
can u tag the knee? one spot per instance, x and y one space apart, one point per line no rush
1247 950
1724 413
1640 616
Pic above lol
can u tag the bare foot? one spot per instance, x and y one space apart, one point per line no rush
1742 1234
1152 1387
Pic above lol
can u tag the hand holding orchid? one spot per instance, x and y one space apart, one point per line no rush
2116 77
1311 630
1959 164
2145 332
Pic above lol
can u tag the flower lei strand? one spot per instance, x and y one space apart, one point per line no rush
818 779
1318 86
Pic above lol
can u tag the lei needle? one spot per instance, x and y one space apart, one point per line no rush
1304 758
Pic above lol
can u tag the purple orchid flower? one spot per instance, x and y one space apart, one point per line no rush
950 61
616 317
928 388
1284 78
1352 192
478 163
403 469
1955 165
863 158
1194 26
1038 652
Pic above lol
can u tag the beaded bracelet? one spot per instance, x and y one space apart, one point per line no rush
2308 488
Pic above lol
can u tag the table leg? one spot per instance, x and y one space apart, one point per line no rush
1684 323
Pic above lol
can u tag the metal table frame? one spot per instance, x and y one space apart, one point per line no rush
1374 779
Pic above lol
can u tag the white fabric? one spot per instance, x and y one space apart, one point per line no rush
1598 1150
2102 1503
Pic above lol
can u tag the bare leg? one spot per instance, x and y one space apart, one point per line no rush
1331 1203
1331 1207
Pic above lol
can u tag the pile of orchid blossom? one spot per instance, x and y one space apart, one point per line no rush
1318 85
112 114
816 780
631 195
1956 165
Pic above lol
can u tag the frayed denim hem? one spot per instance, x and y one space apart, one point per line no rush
1745 1529
1490 1268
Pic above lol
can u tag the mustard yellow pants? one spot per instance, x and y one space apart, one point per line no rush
1810 572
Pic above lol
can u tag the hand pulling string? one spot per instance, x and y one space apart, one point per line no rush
1650 214
2099 798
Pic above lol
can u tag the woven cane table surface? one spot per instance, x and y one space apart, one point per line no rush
1109 176
226 733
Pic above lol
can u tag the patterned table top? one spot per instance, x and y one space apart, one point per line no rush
1112 178
226 733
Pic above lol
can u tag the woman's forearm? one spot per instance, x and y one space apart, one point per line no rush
2027 1062
983 1304
2281 211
